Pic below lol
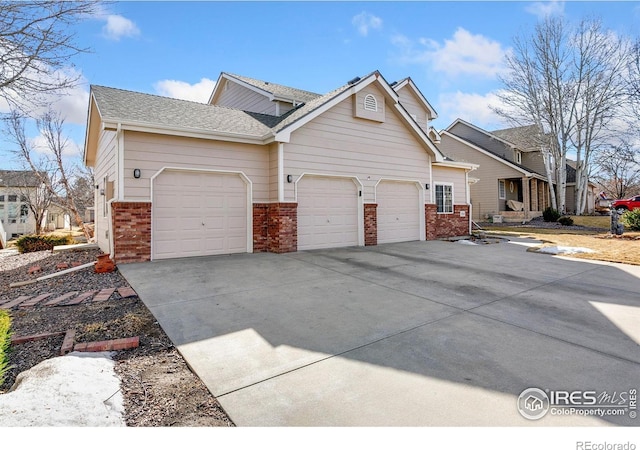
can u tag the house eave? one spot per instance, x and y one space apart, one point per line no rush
114 124
457 165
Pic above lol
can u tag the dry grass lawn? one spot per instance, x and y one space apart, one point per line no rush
621 249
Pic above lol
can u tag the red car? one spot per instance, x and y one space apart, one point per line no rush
628 204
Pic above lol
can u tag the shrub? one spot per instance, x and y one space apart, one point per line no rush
5 340
550 215
566 221
632 219
34 243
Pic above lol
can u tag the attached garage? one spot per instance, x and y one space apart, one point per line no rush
399 211
327 212
199 213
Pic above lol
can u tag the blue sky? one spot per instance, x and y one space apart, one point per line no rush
452 50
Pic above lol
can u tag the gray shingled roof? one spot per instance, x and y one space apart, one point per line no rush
521 137
278 90
127 106
18 178
497 154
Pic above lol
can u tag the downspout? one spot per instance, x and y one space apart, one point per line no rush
468 195
280 172
119 171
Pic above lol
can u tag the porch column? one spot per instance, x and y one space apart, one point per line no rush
534 194
526 197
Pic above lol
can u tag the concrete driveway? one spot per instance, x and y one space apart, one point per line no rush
412 334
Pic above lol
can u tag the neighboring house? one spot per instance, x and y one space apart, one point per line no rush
265 167
57 218
511 180
16 187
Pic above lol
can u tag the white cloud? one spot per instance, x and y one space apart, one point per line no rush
197 92
546 9
71 148
118 27
464 54
366 21
470 107
71 103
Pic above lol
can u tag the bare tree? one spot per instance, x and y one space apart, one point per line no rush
618 170
51 166
570 83
36 45
601 63
536 90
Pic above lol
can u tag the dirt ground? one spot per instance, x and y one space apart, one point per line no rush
158 387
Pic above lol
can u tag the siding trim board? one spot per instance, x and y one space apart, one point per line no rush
249 201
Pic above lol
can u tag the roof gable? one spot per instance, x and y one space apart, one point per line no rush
408 83
474 146
117 109
313 109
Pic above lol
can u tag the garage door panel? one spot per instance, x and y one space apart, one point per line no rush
197 214
327 213
398 212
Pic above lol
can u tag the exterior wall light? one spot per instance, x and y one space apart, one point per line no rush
289 178
426 186
136 173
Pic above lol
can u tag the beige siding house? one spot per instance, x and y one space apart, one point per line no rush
266 167
510 180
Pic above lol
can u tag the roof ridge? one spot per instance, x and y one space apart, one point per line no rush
152 95
244 77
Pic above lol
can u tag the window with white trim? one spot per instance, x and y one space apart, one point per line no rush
370 103
502 190
518 154
444 198
1 198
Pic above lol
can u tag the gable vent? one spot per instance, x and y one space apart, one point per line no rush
370 103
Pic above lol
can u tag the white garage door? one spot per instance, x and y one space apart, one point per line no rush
198 214
398 212
327 212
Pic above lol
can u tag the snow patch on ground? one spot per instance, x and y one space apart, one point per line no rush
466 242
564 250
79 389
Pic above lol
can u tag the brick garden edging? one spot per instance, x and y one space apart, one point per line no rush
68 342
68 299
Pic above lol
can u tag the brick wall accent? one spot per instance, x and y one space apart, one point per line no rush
275 227
370 224
131 228
282 227
260 227
446 225
430 216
